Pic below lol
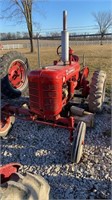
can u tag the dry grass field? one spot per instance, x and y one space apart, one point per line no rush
96 57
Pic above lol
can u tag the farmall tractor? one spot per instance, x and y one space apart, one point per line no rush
51 92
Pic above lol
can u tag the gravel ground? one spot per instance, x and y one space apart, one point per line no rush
46 151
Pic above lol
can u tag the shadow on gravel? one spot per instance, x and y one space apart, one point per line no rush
32 153
66 187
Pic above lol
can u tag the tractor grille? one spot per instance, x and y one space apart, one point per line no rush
44 96
34 95
50 97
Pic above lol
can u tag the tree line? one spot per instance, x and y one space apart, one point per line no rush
14 36
53 36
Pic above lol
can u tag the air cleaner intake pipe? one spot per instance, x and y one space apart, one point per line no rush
65 40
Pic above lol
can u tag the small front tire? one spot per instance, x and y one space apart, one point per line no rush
78 143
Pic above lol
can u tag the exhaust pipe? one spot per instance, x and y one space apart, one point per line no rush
65 40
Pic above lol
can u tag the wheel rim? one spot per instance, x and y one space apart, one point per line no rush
103 96
78 143
16 74
4 125
81 145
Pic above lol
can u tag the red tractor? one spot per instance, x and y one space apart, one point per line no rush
51 95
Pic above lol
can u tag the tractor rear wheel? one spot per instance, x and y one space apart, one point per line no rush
97 91
27 186
5 125
78 143
13 71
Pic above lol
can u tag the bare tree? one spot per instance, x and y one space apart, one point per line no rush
19 10
104 21
26 9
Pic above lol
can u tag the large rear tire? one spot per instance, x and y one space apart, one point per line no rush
13 71
27 186
97 91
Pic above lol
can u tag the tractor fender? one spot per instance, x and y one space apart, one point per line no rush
83 74
83 82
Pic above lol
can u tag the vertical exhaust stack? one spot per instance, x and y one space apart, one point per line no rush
65 40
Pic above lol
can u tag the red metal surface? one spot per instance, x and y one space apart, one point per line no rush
61 122
7 170
72 57
45 88
86 88
84 75
83 83
16 74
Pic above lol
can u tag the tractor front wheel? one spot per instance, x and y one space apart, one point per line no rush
78 143
97 91
5 125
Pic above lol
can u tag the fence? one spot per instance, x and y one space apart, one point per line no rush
11 46
48 43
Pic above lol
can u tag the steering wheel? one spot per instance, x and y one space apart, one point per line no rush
59 52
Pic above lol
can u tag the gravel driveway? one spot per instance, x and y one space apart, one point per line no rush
45 150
